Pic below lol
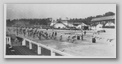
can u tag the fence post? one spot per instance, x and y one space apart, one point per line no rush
39 49
23 42
52 53
8 40
30 45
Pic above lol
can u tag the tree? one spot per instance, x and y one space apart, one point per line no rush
99 15
109 13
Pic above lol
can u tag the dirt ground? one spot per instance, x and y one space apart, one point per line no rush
103 46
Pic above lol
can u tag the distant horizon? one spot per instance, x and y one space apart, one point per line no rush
56 11
52 18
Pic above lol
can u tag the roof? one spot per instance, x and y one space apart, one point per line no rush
59 23
103 18
83 24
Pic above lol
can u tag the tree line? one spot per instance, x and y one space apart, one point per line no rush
47 21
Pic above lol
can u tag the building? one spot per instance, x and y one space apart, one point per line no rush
81 26
106 21
65 23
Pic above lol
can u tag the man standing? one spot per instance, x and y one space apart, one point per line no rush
40 35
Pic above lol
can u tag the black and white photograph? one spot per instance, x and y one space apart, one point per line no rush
59 30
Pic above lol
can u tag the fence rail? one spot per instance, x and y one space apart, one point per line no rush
40 48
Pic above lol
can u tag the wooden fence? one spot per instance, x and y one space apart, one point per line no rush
39 48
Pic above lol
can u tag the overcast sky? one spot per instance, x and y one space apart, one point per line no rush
17 11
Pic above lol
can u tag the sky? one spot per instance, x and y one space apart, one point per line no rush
18 11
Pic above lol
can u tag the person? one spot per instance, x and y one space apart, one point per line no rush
31 32
40 35
52 34
68 38
84 32
20 30
34 33
16 40
55 33
82 37
61 38
24 32
78 37
46 34
49 36
73 39
93 40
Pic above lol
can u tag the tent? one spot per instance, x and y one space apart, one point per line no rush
99 27
109 24
59 25
81 26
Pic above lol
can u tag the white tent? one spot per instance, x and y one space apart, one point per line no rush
81 25
53 22
59 25
99 27
109 24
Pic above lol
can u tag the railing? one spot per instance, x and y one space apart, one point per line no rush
53 52
40 48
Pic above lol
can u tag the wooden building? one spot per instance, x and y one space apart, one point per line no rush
106 21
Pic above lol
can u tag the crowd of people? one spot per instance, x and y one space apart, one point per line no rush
35 32
45 34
